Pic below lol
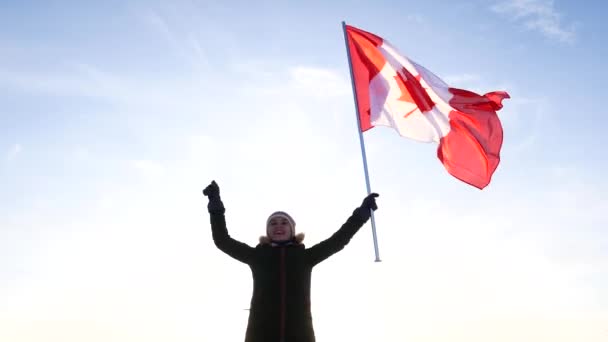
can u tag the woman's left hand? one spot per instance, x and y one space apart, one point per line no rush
369 202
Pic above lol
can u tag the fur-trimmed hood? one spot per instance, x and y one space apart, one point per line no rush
265 240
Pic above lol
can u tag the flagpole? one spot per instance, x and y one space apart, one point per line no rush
369 190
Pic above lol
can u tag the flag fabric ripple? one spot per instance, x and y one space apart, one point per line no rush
394 91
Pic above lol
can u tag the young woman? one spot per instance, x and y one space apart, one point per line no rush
281 267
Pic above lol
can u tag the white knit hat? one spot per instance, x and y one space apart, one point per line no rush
282 214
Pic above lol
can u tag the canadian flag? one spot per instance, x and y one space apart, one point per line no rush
392 90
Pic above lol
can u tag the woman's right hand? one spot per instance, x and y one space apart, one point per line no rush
212 191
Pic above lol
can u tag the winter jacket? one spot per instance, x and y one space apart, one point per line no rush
280 303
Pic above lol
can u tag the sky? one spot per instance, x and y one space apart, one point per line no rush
114 116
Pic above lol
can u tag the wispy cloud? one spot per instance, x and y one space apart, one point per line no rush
528 117
150 170
125 91
180 38
416 18
462 80
319 81
537 15
14 151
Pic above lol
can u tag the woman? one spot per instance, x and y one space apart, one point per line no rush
281 268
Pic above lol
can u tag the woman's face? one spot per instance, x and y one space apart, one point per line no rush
279 229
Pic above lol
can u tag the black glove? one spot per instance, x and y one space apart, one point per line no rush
369 202
212 191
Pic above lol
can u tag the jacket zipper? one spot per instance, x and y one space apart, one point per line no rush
283 295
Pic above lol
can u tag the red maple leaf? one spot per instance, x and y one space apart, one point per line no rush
412 91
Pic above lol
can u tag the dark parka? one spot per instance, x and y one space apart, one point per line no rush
280 304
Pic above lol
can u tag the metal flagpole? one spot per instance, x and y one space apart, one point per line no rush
369 191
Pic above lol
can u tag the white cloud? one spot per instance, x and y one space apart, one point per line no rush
319 81
14 151
150 170
159 24
525 118
462 80
81 153
85 81
186 44
132 94
537 15
416 18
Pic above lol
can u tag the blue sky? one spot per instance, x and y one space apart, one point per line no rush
114 115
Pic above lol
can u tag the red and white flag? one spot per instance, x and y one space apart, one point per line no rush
392 90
